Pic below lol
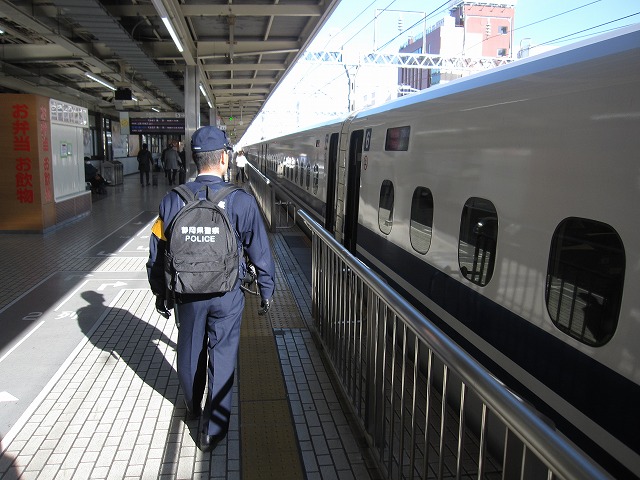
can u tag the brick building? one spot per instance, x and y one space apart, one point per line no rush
471 29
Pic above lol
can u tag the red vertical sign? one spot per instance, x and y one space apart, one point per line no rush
21 130
27 192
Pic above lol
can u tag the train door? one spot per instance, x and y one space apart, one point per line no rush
353 191
263 158
332 172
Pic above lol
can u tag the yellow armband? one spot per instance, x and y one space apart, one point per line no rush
158 229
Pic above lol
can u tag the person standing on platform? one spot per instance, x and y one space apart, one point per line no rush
211 320
163 159
172 163
241 161
145 160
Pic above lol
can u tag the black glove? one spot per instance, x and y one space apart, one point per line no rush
161 308
265 306
251 275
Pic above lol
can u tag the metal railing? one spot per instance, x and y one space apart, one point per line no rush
428 409
279 211
261 187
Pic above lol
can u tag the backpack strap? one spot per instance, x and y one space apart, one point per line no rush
186 193
217 196
220 193
189 195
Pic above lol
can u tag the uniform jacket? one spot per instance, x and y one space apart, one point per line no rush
244 215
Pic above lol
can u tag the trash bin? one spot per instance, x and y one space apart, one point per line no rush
107 172
117 172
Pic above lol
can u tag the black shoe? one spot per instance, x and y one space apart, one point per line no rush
207 443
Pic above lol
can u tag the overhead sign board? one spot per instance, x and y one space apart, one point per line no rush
156 125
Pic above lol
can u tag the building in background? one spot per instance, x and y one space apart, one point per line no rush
472 29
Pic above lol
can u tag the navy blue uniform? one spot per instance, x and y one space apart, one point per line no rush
212 320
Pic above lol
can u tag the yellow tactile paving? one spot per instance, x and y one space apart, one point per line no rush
286 314
269 447
267 435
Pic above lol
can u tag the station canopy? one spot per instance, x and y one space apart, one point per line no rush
99 53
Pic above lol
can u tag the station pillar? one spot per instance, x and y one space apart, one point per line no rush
191 111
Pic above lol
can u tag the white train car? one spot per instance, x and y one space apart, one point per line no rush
505 206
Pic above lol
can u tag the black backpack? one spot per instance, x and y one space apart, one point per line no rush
202 254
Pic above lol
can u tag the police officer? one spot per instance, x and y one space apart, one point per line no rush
211 321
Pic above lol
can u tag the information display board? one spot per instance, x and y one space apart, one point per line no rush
156 125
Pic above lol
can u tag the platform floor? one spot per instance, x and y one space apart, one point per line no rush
88 387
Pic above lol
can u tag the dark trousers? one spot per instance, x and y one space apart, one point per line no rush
98 184
142 175
217 321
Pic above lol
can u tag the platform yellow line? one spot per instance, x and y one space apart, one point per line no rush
269 447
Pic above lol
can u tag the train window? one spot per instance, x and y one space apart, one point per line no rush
385 208
585 279
316 175
397 139
478 240
421 219
308 176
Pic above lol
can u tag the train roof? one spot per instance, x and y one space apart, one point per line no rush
620 41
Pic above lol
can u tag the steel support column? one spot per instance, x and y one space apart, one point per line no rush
191 111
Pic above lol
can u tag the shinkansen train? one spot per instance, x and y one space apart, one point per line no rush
506 207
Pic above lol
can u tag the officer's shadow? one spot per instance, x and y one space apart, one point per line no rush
137 343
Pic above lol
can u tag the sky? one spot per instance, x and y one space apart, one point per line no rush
314 92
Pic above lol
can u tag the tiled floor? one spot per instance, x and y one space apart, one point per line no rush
113 409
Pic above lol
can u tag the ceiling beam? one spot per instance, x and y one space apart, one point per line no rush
242 81
220 99
37 52
240 91
219 10
243 67
216 48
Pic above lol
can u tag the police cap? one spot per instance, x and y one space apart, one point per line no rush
209 138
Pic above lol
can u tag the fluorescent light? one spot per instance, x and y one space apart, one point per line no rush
155 109
173 34
165 19
100 81
206 97
203 92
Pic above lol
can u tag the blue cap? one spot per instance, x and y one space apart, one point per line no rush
208 138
